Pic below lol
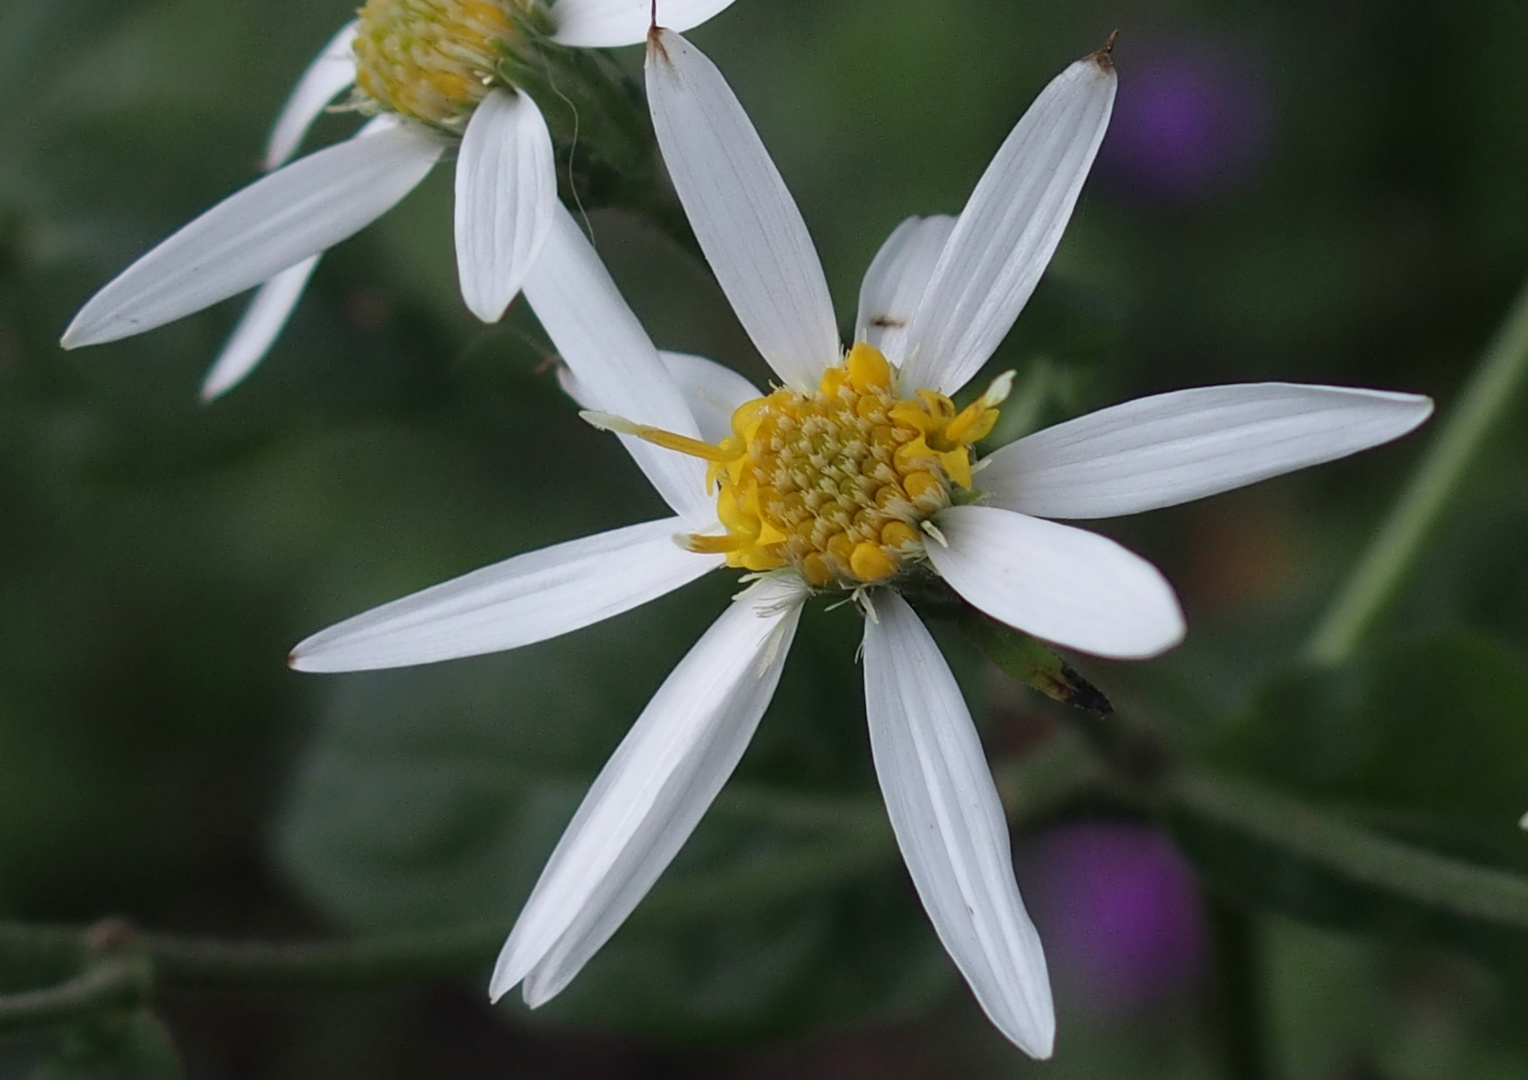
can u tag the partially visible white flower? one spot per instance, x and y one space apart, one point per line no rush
855 477
1523 823
434 72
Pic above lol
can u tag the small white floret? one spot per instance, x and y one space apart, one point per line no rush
998 392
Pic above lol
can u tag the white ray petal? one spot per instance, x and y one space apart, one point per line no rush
267 314
896 281
257 331
713 391
652 793
1009 228
250 237
607 24
519 601
949 824
330 73
614 361
506 187
745 219
1172 448
1072 587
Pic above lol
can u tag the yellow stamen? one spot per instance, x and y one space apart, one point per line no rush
683 444
712 545
840 483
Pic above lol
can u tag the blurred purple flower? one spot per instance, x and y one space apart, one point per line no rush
1119 910
1192 119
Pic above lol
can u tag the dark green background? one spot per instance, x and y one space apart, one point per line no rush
158 558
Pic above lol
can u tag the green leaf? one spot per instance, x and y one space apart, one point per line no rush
1279 852
133 1046
1426 737
1381 795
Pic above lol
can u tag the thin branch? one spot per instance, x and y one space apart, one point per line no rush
859 841
115 983
372 961
1353 853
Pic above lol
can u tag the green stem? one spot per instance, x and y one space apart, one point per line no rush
1391 556
116 983
324 965
855 839
1235 1010
1347 853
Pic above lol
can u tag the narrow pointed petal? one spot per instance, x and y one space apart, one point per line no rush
608 24
330 74
506 186
949 824
745 219
652 793
896 281
1010 228
713 391
257 331
1173 448
250 237
614 361
1072 587
517 602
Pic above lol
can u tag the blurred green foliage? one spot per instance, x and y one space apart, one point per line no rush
157 558
130 1047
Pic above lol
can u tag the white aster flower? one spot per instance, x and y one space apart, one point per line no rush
434 74
853 478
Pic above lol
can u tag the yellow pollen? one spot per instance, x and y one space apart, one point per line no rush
433 60
836 483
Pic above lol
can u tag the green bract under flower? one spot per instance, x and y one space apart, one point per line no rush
434 60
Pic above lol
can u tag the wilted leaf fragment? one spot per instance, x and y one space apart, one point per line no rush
1022 657
131 1047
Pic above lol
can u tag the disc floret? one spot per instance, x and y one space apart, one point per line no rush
839 483
434 60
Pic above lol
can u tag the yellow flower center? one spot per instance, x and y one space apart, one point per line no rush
433 60
838 483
